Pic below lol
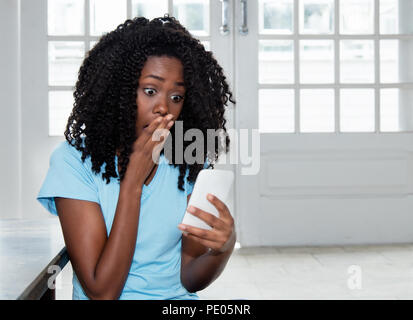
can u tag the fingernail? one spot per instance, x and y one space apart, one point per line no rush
182 227
170 123
210 197
169 116
191 209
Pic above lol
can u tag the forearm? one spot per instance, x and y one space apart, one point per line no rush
114 263
200 272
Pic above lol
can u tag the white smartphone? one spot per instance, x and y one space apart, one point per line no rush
216 182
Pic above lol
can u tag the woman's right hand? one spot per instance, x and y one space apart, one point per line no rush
141 160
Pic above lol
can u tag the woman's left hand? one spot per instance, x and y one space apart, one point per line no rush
221 237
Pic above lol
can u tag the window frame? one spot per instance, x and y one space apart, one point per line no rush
336 85
87 39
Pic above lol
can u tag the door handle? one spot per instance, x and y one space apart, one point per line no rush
224 29
243 29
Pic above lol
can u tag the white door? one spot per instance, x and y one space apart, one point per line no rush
329 85
54 38
327 82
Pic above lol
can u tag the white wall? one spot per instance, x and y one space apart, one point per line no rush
25 145
10 109
36 144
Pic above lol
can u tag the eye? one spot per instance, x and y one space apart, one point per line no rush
177 98
149 91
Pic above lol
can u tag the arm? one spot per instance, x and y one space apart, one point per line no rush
201 266
101 263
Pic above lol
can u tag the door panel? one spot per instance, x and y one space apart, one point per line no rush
320 182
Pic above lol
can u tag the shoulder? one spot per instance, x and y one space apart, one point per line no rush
67 177
65 154
65 150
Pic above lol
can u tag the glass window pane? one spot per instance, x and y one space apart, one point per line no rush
194 15
149 9
276 110
317 110
405 65
357 110
106 15
389 110
207 45
317 16
276 61
357 16
92 44
396 110
389 61
275 16
66 17
317 61
395 61
65 58
60 106
389 16
356 61
396 17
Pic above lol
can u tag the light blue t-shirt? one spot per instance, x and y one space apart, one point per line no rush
156 265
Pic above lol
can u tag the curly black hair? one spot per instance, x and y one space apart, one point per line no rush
103 119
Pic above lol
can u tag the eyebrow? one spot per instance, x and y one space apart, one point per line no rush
162 79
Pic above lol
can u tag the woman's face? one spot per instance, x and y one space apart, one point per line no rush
161 90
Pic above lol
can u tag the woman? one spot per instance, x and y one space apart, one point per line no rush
120 210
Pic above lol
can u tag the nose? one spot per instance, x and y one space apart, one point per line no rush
161 108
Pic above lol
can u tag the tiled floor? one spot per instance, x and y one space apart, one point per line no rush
351 272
